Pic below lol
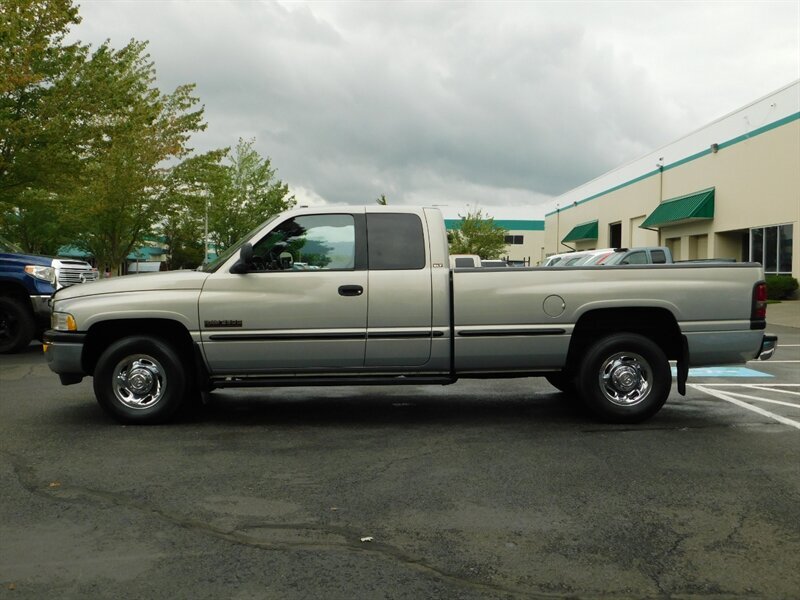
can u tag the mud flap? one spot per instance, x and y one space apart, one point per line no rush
683 366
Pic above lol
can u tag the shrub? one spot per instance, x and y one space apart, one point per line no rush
781 287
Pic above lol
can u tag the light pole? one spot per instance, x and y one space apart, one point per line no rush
205 237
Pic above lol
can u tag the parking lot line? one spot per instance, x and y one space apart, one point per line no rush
756 409
774 389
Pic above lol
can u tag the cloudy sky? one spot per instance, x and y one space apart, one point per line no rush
499 105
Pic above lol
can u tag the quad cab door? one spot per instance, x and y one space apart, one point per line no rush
301 305
400 305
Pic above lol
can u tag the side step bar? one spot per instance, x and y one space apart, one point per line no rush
310 380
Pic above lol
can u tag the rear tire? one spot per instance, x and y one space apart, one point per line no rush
624 378
140 380
17 325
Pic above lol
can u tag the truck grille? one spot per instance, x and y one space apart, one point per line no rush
70 273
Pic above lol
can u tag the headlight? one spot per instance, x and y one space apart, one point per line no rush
61 321
44 273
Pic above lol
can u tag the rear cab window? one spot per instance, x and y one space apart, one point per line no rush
395 242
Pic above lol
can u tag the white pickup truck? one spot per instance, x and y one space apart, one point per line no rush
365 295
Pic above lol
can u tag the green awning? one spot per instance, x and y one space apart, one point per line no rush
582 232
70 251
691 207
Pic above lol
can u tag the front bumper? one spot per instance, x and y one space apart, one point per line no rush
63 351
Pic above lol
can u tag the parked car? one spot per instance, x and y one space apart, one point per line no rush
27 282
578 258
656 255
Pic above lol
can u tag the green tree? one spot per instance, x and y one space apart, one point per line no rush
40 128
189 191
133 131
38 222
478 235
382 200
247 194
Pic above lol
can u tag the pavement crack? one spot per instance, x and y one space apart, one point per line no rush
341 538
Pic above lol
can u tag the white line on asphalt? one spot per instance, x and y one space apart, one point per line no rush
737 402
765 385
764 388
774 361
788 345
758 399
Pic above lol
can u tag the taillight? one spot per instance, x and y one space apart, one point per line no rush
759 302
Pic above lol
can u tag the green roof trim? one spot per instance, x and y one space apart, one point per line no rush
584 231
691 207
508 224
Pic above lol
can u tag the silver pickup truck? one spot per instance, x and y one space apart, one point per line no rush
365 295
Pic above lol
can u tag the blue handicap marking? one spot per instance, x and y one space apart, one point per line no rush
723 371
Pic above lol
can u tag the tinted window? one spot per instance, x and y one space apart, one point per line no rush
395 241
306 244
659 257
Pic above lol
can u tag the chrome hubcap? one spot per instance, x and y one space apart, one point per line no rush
139 381
625 378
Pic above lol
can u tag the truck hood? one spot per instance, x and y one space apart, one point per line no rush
26 259
169 280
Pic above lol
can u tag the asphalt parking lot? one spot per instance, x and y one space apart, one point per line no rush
483 489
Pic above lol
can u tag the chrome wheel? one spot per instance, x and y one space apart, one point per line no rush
625 379
139 381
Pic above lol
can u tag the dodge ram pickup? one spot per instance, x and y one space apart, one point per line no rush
355 296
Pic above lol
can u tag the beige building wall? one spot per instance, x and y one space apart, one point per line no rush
531 248
757 184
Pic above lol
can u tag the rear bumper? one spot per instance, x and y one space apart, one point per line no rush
768 345
63 351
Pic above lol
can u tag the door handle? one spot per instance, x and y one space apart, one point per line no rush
350 290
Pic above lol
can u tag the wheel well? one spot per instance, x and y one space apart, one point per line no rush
16 292
657 324
102 335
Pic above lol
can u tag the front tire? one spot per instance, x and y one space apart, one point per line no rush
16 325
625 378
140 380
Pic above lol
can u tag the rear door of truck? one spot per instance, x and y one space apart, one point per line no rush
399 315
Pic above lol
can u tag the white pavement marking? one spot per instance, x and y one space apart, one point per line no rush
728 398
765 385
774 361
758 399
764 388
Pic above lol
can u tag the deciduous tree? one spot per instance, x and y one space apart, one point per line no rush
247 194
478 235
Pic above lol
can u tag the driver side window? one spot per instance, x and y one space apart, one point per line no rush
308 243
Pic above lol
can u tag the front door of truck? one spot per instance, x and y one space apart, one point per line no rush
301 306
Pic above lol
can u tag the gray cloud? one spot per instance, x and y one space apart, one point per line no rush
501 104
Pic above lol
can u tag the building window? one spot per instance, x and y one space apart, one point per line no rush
772 247
514 240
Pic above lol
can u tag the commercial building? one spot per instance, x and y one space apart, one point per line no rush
728 190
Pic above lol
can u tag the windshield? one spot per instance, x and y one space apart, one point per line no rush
220 260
